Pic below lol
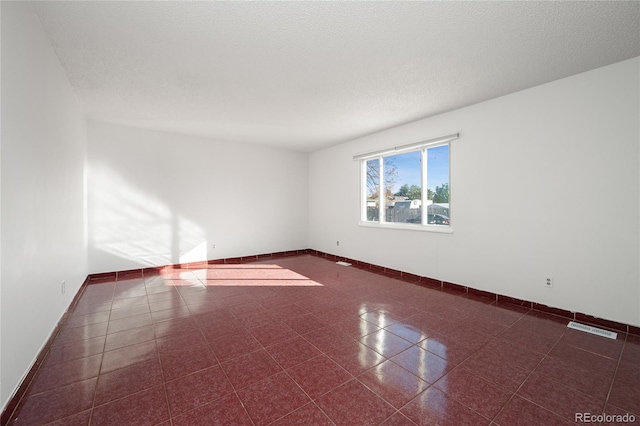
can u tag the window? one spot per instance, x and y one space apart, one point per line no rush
408 187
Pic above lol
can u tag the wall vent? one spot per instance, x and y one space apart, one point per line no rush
341 263
592 330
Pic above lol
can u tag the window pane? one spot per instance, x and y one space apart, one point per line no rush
403 188
438 185
373 189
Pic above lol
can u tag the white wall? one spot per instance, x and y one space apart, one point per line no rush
42 167
544 182
157 198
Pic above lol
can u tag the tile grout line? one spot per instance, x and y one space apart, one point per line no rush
448 372
311 400
287 373
235 391
396 410
164 381
104 347
615 373
481 377
155 341
515 393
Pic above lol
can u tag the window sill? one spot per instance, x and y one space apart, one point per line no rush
409 227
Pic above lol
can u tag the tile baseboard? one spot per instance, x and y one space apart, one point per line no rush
465 291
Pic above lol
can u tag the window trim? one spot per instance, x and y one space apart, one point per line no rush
408 147
419 146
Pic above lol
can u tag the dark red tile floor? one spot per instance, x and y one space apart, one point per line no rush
303 341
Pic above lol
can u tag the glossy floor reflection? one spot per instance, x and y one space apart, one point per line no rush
301 340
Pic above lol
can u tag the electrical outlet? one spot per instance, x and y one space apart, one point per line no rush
548 282
63 287
213 245
337 243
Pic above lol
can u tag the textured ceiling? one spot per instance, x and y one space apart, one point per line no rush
305 75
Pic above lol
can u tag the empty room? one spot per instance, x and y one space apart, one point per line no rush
320 213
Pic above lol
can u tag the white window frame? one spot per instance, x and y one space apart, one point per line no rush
380 155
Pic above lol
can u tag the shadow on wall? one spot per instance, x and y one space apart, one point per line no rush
136 227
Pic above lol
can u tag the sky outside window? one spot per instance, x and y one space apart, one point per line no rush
407 168
409 171
437 166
